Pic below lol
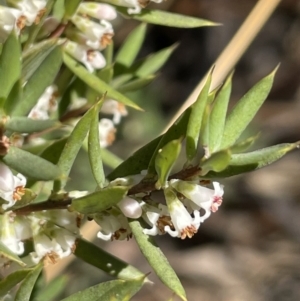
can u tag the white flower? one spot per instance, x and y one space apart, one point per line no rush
112 226
92 59
130 207
156 217
10 18
11 187
52 246
99 35
97 10
33 10
184 225
201 197
13 231
107 132
114 107
46 104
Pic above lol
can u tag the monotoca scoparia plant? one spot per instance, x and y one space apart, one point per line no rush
57 72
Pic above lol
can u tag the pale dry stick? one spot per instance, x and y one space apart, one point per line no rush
225 62
234 50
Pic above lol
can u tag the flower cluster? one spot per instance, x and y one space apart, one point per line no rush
21 13
180 217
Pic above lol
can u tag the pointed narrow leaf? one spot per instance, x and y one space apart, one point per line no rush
30 165
14 98
160 17
110 159
157 259
100 259
136 84
244 145
94 149
53 152
7 253
218 115
39 81
164 161
27 286
241 163
137 162
10 64
73 145
176 131
71 8
152 63
99 200
131 46
96 83
115 290
195 121
33 57
216 162
28 125
11 280
245 110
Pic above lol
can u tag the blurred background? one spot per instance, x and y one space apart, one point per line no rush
250 248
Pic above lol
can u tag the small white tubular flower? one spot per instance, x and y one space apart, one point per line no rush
202 197
33 10
92 59
114 107
99 35
112 227
97 10
13 231
130 207
10 18
46 104
107 132
184 225
11 187
157 218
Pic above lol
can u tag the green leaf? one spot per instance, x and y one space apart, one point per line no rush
245 110
110 159
121 80
241 163
28 125
152 63
176 131
71 8
30 165
99 200
11 280
100 259
14 98
218 115
96 83
26 288
157 259
131 46
73 145
164 161
115 290
216 162
33 57
94 149
39 81
53 152
136 84
244 145
52 290
164 18
195 121
7 253
137 162
10 64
